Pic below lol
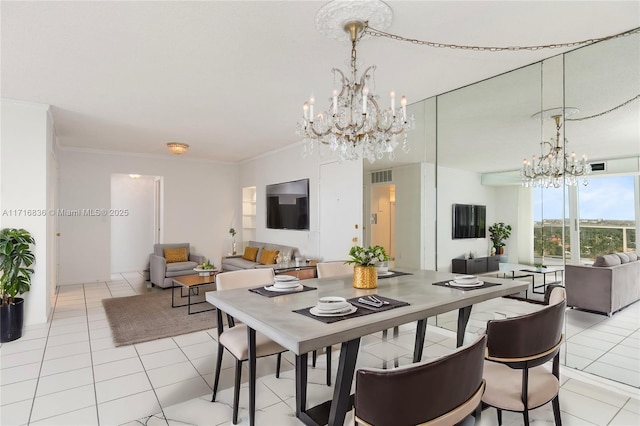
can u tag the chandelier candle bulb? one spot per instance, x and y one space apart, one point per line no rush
311 101
335 102
365 92
392 95
403 102
305 109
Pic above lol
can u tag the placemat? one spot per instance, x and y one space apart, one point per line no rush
446 284
362 309
394 274
268 293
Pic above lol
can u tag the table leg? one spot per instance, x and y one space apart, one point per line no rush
251 336
342 391
421 330
301 383
463 320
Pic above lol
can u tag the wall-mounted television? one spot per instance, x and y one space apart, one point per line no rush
469 221
288 205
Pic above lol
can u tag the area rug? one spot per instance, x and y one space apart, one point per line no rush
142 318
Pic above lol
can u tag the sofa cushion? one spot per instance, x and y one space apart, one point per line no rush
268 257
181 267
623 257
607 260
250 253
238 263
632 256
173 255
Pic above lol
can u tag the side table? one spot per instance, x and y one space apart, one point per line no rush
192 283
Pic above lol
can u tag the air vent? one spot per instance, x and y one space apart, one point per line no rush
381 176
598 167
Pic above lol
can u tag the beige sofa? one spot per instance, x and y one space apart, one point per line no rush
610 284
237 262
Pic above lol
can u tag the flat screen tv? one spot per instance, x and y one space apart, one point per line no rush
288 205
469 221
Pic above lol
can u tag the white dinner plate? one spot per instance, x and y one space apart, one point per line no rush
466 279
340 308
346 311
288 284
476 284
274 288
285 278
385 274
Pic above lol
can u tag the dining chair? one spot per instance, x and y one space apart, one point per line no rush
234 338
443 391
517 348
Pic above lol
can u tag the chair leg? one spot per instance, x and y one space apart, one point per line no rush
278 362
525 416
236 391
328 351
499 411
314 355
216 382
556 410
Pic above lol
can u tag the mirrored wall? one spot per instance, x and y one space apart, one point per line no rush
469 147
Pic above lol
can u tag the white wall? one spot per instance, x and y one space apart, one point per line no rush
132 228
26 160
464 187
285 165
199 201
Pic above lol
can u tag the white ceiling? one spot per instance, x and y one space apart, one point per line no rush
229 77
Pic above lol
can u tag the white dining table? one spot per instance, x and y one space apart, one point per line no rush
275 318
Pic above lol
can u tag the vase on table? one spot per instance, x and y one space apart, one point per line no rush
365 276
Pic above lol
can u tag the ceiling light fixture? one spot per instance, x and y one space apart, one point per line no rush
177 148
134 176
354 126
554 164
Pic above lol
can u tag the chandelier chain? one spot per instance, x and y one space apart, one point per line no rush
604 112
378 33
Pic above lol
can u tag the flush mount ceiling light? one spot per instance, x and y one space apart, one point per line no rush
354 126
177 148
134 176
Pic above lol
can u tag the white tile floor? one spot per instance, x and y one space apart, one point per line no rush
68 372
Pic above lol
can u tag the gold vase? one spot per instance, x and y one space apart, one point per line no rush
365 276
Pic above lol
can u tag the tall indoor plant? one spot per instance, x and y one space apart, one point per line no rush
499 232
365 273
16 258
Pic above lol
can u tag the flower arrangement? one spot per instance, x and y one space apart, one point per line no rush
367 256
232 232
206 265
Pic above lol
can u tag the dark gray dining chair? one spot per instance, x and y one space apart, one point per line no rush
440 392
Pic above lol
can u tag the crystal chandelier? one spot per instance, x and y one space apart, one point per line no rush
177 148
555 165
354 126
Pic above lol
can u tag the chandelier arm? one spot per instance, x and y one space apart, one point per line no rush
343 80
316 133
378 33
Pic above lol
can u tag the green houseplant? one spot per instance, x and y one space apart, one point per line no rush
365 273
499 232
16 258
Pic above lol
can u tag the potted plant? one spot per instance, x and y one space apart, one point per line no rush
16 258
365 273
499 232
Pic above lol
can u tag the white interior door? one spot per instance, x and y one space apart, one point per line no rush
340 208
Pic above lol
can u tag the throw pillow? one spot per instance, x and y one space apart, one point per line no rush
250 253
632 256
268 257
173 255
607 260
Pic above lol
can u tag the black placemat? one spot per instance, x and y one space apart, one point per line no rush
446 284
393 274
362 310
268 293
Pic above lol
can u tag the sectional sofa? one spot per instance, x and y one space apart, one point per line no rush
610 284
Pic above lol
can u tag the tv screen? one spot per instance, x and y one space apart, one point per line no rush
469 221
288 205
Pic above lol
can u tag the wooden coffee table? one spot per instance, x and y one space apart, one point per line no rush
192 283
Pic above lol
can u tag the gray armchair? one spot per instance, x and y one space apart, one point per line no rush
162 272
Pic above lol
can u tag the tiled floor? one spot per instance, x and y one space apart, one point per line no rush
68 372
